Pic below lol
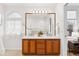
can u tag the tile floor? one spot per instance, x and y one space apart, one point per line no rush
12 53
19 53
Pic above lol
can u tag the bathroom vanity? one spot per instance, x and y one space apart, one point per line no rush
40 29
41 46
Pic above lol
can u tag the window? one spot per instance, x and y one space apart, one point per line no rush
13 23
71 22
14 15
13 26
71 14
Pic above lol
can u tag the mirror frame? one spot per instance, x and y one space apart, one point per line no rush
40 13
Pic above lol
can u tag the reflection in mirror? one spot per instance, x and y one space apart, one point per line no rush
38 25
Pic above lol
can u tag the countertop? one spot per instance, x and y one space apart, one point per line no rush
54 37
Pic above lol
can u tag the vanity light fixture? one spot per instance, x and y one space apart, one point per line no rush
40 11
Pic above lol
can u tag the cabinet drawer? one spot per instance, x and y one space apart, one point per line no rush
40 44
40 41
40 51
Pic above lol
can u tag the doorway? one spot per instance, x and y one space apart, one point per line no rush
71 21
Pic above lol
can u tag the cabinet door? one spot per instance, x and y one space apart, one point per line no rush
56 46
25 46
32 47
40 47
49 47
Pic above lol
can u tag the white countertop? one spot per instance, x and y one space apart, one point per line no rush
41 37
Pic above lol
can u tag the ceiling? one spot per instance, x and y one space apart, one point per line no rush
30 4
72 4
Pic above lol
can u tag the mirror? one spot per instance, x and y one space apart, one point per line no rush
40 24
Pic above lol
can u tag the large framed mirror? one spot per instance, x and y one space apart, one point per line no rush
40 24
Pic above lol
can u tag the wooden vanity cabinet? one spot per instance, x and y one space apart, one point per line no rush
49 47
56 46
41 46
53 47
32 46
25 46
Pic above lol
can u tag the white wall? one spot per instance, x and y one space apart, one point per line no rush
1 28
60 20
